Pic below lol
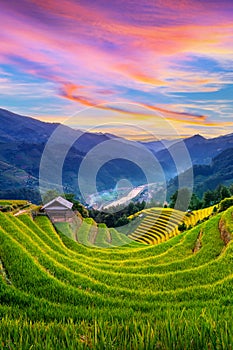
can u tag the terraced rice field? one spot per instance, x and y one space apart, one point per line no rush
90 234
56 293
13 205
157 225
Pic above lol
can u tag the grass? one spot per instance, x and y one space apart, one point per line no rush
56 293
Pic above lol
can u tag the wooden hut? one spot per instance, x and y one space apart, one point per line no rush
59 210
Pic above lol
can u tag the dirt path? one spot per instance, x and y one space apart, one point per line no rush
225 235
92 234
21 212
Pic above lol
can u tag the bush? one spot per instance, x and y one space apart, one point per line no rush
6 208
182 227
225 204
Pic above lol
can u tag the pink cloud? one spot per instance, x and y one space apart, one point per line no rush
92 53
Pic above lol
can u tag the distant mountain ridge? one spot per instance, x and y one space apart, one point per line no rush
22 141
201 150
208 177
14 127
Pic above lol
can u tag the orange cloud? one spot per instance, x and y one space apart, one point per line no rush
140 111
177 115
69 90
133 72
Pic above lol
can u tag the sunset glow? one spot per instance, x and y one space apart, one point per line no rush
174 59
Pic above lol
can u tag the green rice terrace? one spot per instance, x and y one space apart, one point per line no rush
110 291
157 225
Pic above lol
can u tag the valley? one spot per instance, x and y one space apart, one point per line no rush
116 175
153 277
20 157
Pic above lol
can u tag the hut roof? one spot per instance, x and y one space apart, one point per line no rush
58 200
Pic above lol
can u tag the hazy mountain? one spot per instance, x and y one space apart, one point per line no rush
22 142
181 155
156 146
208 177
201 150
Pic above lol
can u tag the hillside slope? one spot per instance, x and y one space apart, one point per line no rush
208 177
22 143
58 294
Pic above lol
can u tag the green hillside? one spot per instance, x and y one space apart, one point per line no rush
60 294
87 232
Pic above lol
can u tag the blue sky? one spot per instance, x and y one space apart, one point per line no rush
154 65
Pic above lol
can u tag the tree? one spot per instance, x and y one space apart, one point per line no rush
220 193
195 202
123 220
173 199
132 208
50 195
231 189
208 199
226 203
70 197
77 205
141 205
180 199
182 227
224 192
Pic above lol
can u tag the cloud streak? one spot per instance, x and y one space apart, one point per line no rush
96 53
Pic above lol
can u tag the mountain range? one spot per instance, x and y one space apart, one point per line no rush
208 177
23 140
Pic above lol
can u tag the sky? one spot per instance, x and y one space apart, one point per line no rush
140 69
